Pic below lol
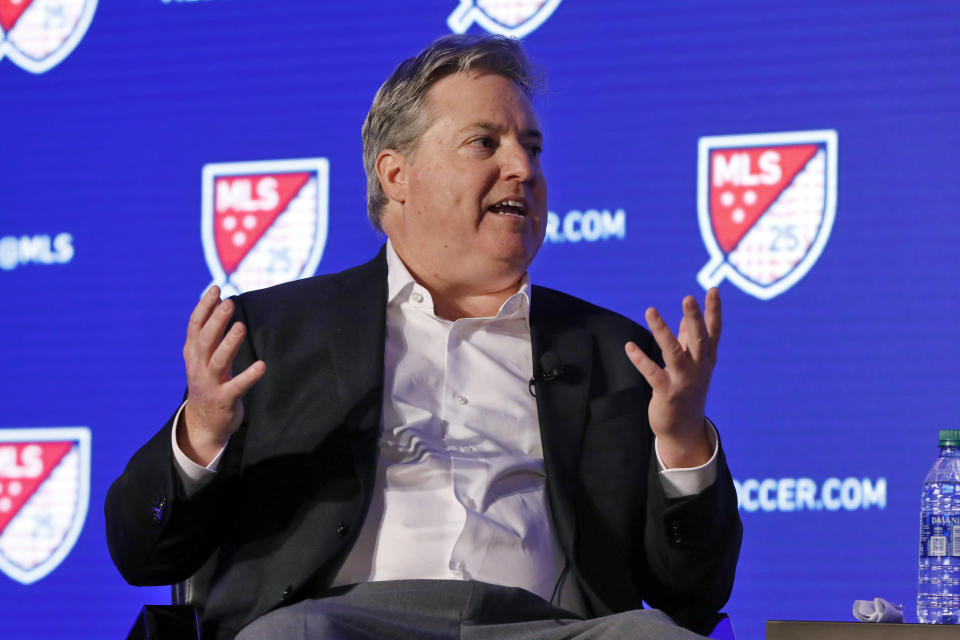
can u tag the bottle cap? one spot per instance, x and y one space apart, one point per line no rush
950 437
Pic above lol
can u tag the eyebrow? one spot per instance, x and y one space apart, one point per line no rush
493 127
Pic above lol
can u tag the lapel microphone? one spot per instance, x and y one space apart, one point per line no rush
551 368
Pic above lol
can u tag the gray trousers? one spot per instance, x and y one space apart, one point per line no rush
450 610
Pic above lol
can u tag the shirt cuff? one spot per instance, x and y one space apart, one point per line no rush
688 481
191 474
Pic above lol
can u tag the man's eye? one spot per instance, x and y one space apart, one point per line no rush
484 142
535 150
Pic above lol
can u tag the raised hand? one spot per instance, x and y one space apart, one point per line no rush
213 411
676 409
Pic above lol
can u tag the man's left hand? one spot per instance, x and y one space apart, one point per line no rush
680 389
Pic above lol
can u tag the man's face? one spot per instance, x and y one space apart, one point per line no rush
474 211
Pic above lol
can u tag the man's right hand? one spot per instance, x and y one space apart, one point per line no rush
213 411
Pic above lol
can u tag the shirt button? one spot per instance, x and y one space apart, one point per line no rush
461 400
467 449
417 297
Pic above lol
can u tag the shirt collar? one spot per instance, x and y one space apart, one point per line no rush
401 285
399 280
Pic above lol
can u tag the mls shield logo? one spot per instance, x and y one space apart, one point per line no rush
766 205
44 490
512 18
38 34
264 222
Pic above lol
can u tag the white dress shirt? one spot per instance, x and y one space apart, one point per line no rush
460 488
460 483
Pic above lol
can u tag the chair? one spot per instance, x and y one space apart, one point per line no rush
166 622
177 621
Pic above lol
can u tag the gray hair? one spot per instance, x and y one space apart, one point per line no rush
399 115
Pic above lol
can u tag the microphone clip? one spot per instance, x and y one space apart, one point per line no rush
551 368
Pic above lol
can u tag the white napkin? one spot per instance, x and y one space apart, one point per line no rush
877 610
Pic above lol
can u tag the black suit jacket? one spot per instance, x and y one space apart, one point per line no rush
293 486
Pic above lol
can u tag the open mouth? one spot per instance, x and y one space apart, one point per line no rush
515 208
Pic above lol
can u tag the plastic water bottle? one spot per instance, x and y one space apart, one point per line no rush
938 587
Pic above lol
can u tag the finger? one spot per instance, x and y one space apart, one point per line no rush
699 340
238 386
655 376
208 301
226 351
669 346
713 316
683 335
210 334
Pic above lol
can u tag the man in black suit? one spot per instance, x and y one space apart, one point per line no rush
386 476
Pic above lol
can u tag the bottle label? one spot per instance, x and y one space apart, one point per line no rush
940 536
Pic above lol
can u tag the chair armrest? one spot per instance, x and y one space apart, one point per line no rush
166 622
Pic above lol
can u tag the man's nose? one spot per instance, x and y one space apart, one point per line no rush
518 163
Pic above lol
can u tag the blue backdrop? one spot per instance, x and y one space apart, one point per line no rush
828 394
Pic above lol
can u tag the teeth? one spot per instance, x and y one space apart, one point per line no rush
504 208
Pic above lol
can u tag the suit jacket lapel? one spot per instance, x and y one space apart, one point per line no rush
357 338
561 405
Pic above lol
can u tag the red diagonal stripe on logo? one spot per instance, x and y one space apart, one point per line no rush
245 207
24 466
10 12
745 182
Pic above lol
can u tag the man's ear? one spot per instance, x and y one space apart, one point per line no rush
392 171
